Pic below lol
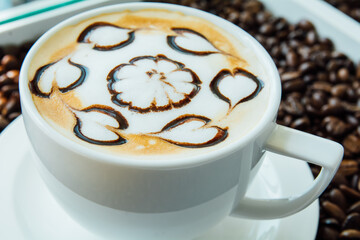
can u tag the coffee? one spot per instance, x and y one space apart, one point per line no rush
148 82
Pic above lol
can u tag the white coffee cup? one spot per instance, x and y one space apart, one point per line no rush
122 198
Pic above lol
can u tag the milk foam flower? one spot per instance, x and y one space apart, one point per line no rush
153 84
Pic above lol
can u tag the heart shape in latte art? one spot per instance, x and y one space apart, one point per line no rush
191 42
192 131
98 125
66 74
236 87
106 36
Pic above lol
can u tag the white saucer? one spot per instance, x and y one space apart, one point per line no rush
28 211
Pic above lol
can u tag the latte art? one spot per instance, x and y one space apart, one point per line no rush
130 78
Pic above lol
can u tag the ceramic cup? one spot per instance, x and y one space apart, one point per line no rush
177 198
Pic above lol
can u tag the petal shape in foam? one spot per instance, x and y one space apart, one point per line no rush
237 87
106 36
192 131
98 124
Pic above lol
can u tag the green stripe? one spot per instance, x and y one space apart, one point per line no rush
41 10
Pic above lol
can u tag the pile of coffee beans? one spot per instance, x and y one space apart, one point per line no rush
321 95
349 7
11 58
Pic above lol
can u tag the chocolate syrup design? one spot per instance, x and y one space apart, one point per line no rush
98 30
154 84
237 81
108 120
196 130
45 93
192 36
147 84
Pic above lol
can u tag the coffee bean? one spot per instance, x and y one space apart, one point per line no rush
9 62
352 193
318 99
332 66
287 76
343 74
281 25
355 182
351 108
350 234
311 38
334 210
306 25
348 167
334 126
263 17
330 222
338 55
253 6
351 95
8 89
295 85
11 106
339 90
333 109
234 17
13 115
352 221
355 207
307 67
309 78
5 80
301 123
13 75
322 86
328 233
2 69
337 197
267 29
3 122
292 59
3 101
305 53
293 106
352 143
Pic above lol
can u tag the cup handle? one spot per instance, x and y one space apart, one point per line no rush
302 146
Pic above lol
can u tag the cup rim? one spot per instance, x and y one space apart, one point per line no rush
179 162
